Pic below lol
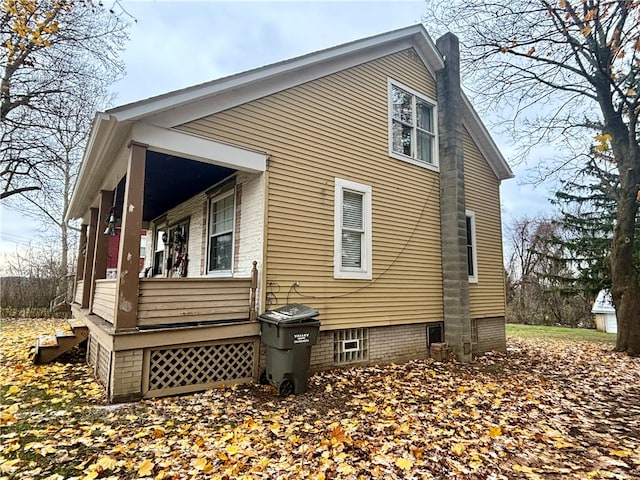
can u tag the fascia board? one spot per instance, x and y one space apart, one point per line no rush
198 148
182 106
253 87
99 139
483 139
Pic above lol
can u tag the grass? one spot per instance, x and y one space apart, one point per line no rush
560 333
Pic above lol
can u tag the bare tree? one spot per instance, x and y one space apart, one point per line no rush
541 280
30 280
567 72
59 59
50 51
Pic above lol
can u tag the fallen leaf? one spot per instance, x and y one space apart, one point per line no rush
404 463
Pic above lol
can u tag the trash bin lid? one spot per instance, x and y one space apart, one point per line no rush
293 312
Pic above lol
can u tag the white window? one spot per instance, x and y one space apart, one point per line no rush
221 225
352 230
472 251
412 126
159 237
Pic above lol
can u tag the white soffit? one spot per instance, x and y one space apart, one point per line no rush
195 147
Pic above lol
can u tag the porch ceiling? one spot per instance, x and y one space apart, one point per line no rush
171 180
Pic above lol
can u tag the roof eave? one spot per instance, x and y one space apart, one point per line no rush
102 132
483 139
179 99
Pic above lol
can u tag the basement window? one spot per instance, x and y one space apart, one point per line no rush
351 345
435 333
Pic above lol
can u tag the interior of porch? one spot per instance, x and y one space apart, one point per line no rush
124 296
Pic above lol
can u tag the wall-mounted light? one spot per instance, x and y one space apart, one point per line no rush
111 222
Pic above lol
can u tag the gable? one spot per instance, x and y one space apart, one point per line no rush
155 119
342 114
195 102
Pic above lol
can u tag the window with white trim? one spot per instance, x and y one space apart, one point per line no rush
472 251
412 126
159 237
221 225
352 230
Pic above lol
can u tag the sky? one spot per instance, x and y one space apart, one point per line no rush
176 44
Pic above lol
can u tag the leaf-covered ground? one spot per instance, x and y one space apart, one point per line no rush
545 410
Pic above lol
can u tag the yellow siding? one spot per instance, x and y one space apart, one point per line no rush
482 195
336 126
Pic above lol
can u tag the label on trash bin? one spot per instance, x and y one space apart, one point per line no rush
300 338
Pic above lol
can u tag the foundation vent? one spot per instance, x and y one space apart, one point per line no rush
351 346
192 368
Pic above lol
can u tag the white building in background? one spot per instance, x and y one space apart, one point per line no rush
605 312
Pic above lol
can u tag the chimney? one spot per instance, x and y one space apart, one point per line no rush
453 228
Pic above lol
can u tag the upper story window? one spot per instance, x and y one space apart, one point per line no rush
472 250
412 126
352 230
221 226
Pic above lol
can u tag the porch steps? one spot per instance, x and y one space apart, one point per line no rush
50 347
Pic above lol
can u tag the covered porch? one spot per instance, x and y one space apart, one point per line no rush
178 311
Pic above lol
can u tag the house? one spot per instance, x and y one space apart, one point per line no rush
605 312
358 180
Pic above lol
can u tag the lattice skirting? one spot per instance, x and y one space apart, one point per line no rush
99 358
190 368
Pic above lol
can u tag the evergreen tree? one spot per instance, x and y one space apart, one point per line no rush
588 206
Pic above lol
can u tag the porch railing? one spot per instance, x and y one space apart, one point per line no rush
104 299
165 301
179 301
79 289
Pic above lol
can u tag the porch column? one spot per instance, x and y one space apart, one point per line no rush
88 259
80 261
453 224
80 258
102 240
126 312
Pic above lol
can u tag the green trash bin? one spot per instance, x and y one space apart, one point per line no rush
288 334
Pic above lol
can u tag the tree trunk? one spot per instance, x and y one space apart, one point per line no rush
625 288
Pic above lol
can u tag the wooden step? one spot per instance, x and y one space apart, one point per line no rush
74 323
64 333
47 341
49 347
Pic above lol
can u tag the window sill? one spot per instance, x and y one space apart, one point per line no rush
221 274
341 275
413 161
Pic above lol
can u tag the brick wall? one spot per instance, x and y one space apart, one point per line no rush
126 379
386 344
398 343
322 352
491 335
251 224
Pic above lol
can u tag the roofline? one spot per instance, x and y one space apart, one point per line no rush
176 99
181 106
484 140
